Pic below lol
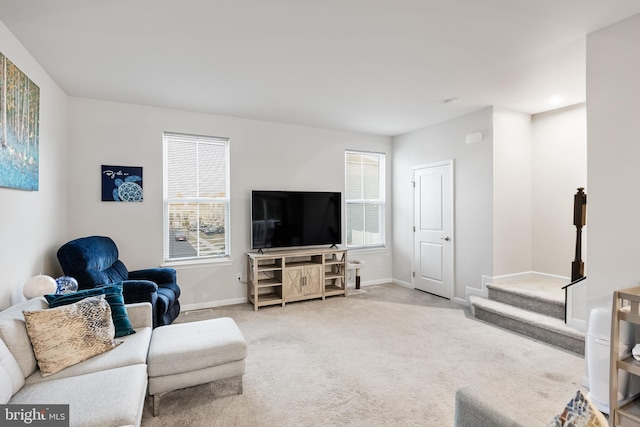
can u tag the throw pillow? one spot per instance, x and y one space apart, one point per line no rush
69 334
113 295
579 412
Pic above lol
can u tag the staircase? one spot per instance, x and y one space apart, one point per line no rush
532 306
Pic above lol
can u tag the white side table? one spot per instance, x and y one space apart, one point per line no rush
354 264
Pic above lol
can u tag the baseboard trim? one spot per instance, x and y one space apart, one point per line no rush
402 283
579 324
212 304
460 301
376 282
528 273
243 300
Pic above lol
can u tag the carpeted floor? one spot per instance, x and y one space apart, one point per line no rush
383 356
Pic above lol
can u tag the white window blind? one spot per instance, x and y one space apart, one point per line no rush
365 198
196 197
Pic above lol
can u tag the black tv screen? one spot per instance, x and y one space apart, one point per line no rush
281 219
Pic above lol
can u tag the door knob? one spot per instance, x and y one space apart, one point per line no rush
446 239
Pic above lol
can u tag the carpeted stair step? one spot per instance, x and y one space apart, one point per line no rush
535 325
543 303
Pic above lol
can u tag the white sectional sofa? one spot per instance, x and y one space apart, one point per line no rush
106 390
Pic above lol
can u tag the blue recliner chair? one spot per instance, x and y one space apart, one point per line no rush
93 261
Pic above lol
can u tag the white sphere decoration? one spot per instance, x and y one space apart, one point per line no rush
38 286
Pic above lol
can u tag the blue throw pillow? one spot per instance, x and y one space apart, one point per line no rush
113 295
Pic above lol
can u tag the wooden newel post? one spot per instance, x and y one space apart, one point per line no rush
579 220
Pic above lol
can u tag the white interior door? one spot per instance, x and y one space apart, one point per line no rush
433 229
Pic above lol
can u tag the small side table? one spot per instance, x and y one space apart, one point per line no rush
354 264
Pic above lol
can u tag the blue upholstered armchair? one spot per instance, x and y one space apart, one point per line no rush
93 261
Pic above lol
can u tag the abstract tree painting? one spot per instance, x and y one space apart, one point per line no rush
19 128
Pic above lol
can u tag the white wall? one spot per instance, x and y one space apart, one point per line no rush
34 224
613 142
473 198
264 155
512 198
559 168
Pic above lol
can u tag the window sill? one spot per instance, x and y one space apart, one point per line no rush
199 263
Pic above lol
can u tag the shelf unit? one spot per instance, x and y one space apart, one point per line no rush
279 277
334 273
626 308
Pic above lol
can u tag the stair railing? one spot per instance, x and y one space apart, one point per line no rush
579 220
565 288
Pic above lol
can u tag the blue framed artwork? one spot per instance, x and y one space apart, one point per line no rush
121 183
19 128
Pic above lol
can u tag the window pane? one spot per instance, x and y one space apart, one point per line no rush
213 170
212 226
353 171
355 224
371 173
181 170
183 235
372 224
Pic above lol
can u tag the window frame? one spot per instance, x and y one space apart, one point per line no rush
198 200
380 201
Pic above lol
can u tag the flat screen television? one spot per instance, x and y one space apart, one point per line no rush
281 219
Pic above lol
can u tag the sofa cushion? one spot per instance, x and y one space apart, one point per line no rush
113 295
187 347
113 397
132 351
66 335
14 334
11 378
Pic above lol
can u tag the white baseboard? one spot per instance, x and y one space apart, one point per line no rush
579 324
528 273
402 283
460 301
212 304
376 282
243 300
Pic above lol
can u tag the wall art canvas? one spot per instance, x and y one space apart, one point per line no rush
121 184
19 128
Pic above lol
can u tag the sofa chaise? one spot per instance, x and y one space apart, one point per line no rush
92 388
109 389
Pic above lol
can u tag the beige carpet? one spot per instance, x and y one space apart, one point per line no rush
386 355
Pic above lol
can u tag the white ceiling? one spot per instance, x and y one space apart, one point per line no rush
375 66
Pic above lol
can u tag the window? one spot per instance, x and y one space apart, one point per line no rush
196 197
365 201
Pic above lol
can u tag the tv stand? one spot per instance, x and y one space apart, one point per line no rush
279 277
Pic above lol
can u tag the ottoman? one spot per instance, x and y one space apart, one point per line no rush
188 354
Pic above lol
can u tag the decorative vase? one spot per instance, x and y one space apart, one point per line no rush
38 286
66 285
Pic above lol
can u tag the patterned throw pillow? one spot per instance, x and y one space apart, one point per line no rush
113 294
67 335
579 412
